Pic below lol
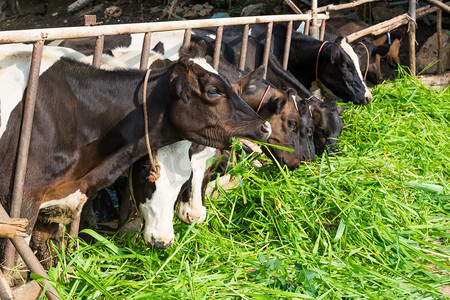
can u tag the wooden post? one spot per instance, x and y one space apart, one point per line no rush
440 67
314 30
412 36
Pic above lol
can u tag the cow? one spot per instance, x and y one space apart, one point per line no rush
89 124
347 26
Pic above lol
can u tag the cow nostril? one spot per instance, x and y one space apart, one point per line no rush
189 219
266 128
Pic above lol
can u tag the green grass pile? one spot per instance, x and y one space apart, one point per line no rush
372 222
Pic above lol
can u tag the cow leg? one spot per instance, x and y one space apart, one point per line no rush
191 201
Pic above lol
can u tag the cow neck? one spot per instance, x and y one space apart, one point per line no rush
368 59
262 98
155 168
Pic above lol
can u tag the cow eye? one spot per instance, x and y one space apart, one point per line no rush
292 124
309 131
214 93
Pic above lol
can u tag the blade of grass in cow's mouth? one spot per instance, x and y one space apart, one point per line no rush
251 145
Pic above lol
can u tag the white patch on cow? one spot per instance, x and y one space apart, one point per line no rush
349 50
295 101
71 205
172 40
158 211
211 36
131 58
188 211
14 70
108 62
249 31
301 27
201 61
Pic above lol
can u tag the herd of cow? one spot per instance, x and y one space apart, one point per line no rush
89 124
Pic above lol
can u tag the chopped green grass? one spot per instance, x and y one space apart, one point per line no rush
372 222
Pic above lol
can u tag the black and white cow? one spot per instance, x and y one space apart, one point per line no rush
89 123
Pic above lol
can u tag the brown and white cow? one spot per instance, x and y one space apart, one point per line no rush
89 123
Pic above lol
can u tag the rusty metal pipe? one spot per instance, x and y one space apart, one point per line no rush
217 47
322 30
287 45
24 143
244 46
187 37
30 259
33 35
145 50
98 51
267 47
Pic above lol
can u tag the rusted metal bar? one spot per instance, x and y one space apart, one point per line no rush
244 45
75 227
30 259
314 30
322 30
307 25
440 68
98 51
287 45
217 47
293 6
342 6
187 37
5 289
145 50
391 24
32 35
441 5
24 143
412 36
267 47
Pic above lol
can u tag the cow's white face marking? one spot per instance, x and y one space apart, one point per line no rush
349 50
158 211
67 209
295 101
14 70
201 61
188 211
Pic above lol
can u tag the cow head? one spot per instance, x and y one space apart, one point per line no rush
369 57
280 109
206 110
340 72
328 125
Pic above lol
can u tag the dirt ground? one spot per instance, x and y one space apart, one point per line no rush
136 11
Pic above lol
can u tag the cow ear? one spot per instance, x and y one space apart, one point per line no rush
249 80
340 110
180 87
276 105
159 48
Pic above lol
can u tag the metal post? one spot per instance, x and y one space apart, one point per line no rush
322 30
187 37
267 47
287 45
98 51
412 36
5 289
440 67
244 45
307 25
145 50
24 144
314 27
217 47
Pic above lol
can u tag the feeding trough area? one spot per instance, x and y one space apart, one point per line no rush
346 194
